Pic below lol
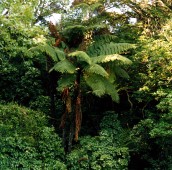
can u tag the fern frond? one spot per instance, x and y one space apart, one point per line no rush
111 91
81 56
101 86
64 66
120 72
96 83
96 69
112 77
50 50
55 53
104 48
109 58
60 54
66 81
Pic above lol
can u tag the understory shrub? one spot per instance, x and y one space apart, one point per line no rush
26 140
103 152
152 137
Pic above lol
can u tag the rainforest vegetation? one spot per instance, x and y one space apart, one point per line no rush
86 85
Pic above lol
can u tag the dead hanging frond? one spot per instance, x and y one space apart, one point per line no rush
68 108
53 30
78 116
54 33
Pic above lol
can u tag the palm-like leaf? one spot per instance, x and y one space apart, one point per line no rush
50 50
55 53
109 58
60 54
120 72
111 91
81 56
97 69
104 46
64 66
96 83
101 85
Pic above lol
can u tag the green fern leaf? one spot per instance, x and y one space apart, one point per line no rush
96 83
97 69
120 72
55 53
50 50
66 81
104 45
109 58
112 77
81 56
101 86
64 66
111 91
60 54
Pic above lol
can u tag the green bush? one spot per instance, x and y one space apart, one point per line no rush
26 140
103 152
151 138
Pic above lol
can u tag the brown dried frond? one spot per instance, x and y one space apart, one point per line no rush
53 30
63 120
78 117
68 104
68 108
65 93
57 43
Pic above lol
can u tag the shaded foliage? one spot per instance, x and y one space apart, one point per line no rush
27 141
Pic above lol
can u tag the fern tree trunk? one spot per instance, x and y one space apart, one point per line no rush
71 119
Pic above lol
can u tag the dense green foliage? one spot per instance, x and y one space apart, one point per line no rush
26 140
96 66
106 151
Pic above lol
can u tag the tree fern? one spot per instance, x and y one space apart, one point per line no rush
64 66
